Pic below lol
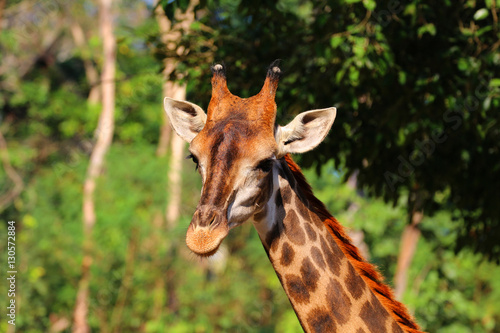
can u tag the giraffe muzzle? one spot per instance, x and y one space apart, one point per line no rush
206 232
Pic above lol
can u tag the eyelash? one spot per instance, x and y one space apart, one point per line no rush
265 165
195 160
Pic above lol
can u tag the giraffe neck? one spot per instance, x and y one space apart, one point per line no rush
325 285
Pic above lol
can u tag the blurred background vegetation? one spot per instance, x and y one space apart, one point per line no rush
412 164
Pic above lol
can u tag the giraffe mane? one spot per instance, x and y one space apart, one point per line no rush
366 270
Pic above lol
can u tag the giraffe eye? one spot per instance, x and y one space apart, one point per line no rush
195 160
265 165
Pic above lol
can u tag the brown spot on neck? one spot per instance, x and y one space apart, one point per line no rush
317 256
353 283
310 232
320 321
339 302
294 230
310 275
287 254
374 317
332 261
296 288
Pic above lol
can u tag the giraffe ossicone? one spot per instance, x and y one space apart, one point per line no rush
244 161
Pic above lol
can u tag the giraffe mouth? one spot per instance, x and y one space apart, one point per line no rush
205 241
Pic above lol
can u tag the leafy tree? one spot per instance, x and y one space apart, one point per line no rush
416 83
449 292
351 53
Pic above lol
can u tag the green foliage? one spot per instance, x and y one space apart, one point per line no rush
415 84
447 292
399 75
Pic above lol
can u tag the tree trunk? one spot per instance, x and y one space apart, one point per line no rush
174 174
171 89
165 31
169 35
407 248
7 198
90 71
104 138
2 7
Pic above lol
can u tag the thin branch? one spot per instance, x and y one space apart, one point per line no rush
104 138
90 70
494 14
165 35
2 6
12 194
359 27
408 247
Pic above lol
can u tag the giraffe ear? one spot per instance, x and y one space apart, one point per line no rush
305 132
187 119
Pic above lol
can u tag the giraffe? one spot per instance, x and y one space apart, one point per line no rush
244 161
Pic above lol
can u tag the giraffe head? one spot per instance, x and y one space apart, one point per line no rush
235 145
